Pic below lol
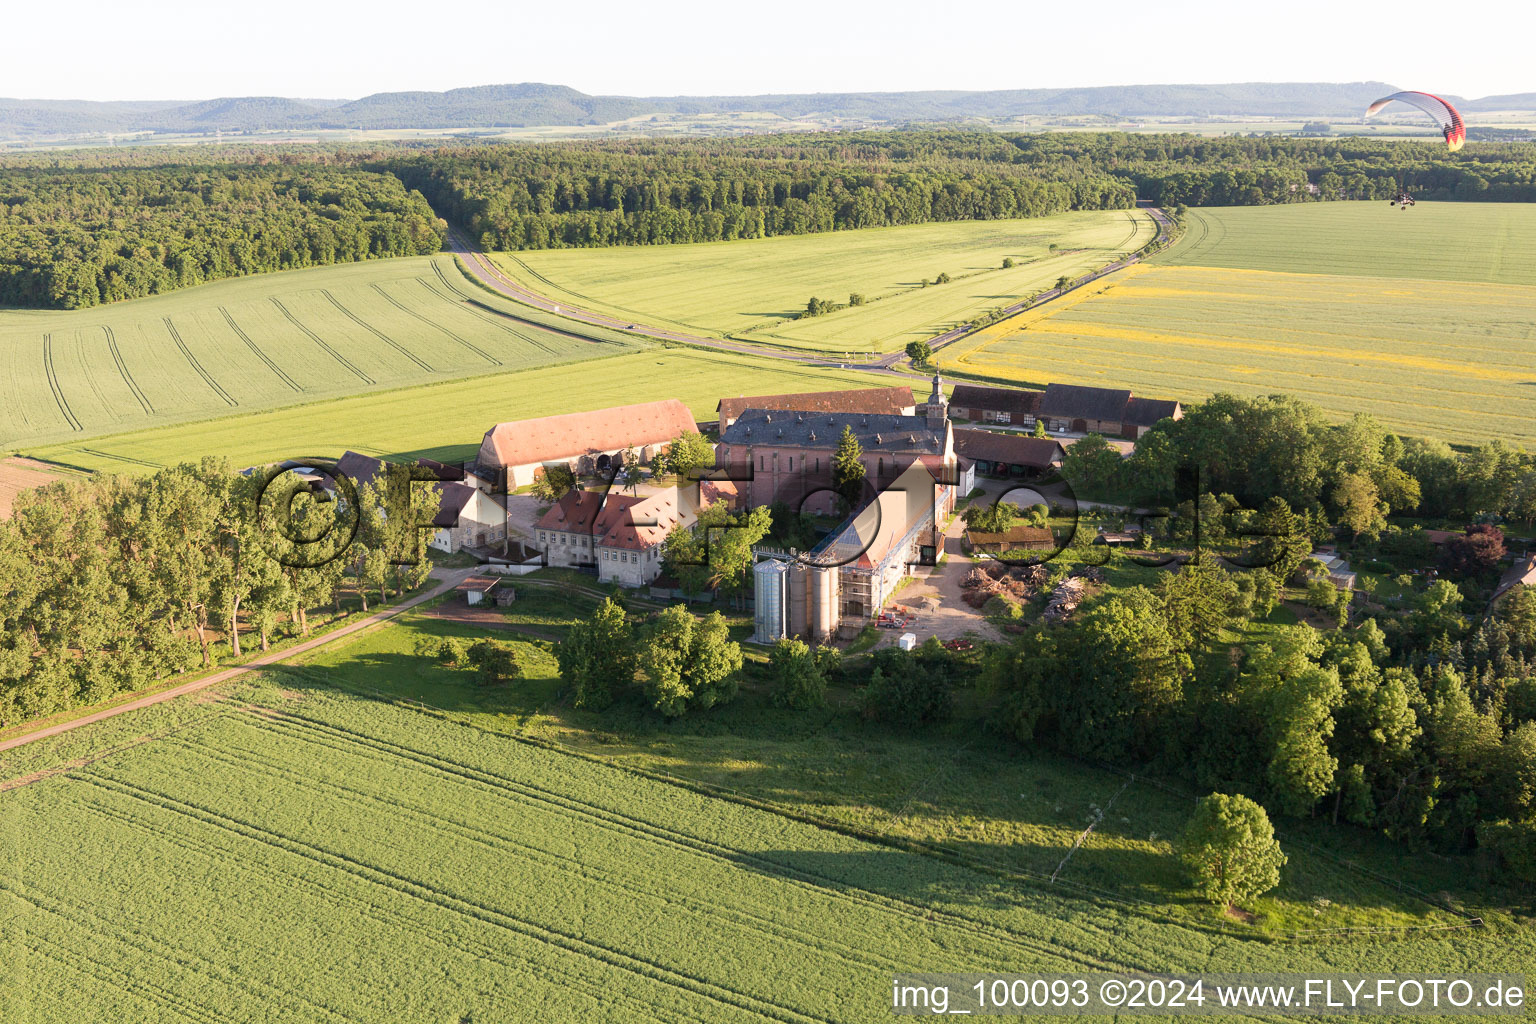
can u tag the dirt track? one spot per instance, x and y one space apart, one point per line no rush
19 474
449 581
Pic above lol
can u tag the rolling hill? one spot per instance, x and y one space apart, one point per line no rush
531 104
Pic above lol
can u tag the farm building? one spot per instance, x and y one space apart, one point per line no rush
477 589
467 517
1016 538
1068 408
786 455
982 404
842 583
892 401
621 535
1007 454
1521 574
586 442
1088 410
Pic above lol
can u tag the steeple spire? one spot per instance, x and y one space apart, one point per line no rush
938 409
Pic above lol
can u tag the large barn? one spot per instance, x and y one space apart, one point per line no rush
587 442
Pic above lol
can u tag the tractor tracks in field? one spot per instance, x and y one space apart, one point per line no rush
386 339
312 336
192 360
54 386
256 350
402 307
122 368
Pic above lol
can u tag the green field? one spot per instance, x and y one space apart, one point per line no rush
1427 319
263 342
446 421
1489 242
753 289
303 847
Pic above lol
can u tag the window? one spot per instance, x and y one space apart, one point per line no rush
791 461
541 536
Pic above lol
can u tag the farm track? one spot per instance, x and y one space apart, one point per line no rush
386 339
488 274
343 360
449 580
256 350
477 350
440 899
192 359
122 368
497 318
53 384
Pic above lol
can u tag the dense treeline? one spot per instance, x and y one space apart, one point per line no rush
73 238
111 583
648 192
1258 171
1307 722
1419 720
695 190
97 226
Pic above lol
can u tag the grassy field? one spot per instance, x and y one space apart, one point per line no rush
1488 242
263 342
752 289
1425 321
446 421
293 847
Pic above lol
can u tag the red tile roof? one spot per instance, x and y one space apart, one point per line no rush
574 512
893 401
640 524
1009 449
558 438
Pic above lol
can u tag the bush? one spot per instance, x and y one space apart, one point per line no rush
1514 843
797 678
903 690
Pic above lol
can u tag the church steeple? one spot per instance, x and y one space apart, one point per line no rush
938 409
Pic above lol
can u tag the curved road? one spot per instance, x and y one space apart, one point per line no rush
492 277
489 275
449 581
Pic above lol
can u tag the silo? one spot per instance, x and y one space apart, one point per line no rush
799 599
825 594
769 579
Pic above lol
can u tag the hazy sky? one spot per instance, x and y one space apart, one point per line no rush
179 49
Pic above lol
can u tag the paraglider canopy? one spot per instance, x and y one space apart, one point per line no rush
1445 115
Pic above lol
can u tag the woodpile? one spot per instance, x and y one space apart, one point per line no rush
1020 582
1065 599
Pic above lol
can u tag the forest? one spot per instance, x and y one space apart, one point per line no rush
1418 719
75 237
700 190
94 226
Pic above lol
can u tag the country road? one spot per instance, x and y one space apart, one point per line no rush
449 580
488 274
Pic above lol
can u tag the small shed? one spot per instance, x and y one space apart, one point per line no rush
477 589
1016 538
505 595
907 641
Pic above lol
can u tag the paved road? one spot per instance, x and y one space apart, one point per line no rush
450 579
491 276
